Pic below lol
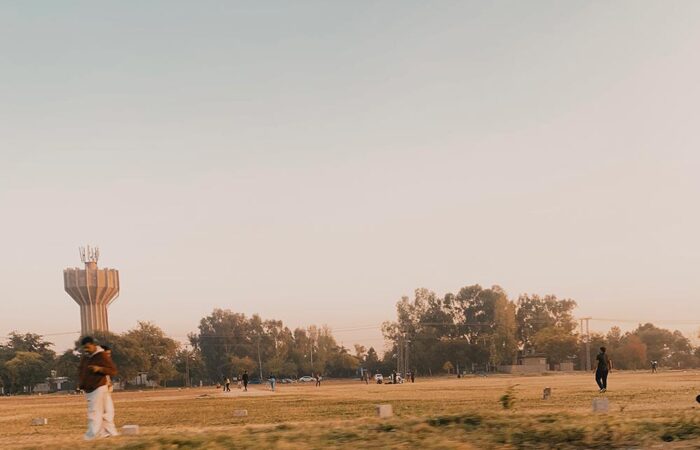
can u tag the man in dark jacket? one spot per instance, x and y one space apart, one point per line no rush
245 380
603 367
93 374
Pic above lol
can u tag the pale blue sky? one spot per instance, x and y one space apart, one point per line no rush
314 161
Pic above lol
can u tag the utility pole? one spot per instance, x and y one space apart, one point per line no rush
187 368
405 358
588 341
260 361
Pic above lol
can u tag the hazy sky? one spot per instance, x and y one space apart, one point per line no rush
315 161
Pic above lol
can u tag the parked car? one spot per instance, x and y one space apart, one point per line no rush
254 381
306 379
379 378
286 380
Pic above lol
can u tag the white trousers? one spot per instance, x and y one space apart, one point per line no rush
100 414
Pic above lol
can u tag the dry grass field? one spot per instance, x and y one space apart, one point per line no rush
646 411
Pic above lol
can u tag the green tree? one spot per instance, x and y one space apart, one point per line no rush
159 350
557 343
535 313
27 369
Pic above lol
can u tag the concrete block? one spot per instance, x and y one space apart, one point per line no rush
240 412
40 421
601 405
546 393
384 411
130 430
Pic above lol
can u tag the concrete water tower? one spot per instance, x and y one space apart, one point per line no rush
93 289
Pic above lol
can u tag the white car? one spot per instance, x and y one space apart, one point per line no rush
379 378
306 379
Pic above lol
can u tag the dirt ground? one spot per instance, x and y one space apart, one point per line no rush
645 411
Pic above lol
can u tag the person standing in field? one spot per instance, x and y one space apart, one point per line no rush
653 366
603 367
413 376
318 380
273 380
227 385
93 371
245 381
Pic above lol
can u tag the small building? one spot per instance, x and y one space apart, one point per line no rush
54 384
528 364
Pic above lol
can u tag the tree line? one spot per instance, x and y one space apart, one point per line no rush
225 344
482 328
474 329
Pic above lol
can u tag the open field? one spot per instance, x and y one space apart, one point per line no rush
646 411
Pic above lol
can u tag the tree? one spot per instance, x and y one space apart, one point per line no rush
663 345
630 354
27 369
159 350
557 343
66 365
448 367
24 361
535 313
372 360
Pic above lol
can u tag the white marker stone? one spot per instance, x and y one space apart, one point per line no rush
240 412
40 421
384 411
601 405
130 430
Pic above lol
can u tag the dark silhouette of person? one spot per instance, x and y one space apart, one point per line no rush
603 367
245 380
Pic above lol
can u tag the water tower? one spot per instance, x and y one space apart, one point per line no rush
93 289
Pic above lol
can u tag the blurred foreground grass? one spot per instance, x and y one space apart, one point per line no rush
646 411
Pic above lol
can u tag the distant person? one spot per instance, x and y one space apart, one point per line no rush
94 368
239 381
654 364
273 380
603 367
413 376
393 377
245 379
318 380
366 377
227 385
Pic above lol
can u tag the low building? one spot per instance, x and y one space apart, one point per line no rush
529 364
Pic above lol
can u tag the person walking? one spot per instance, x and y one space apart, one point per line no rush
245 381
413 376
273 380
318 380
94 368
603 367
653 366
227 385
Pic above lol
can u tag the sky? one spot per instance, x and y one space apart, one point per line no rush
314 161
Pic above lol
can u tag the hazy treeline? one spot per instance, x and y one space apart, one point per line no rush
484 328
225 344
474 328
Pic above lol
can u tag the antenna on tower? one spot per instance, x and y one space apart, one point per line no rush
89 254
